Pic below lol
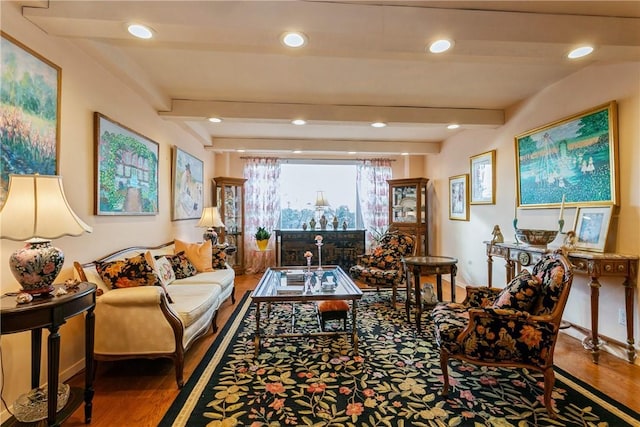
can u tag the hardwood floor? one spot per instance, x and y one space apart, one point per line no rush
139 392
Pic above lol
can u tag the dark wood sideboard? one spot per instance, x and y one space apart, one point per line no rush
340 247
594 265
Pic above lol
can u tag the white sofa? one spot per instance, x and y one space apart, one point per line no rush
139 322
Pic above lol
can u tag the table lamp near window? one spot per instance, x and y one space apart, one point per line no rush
211 220
36 210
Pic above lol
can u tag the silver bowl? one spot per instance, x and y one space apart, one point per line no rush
536 237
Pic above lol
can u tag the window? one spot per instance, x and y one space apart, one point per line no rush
301 180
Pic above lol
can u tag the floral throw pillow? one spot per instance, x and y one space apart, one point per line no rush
218 257
163 270
182 267
520 293
127 273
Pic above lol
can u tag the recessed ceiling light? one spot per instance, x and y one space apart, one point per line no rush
299 122
351 152
453 126
215 119
404 154
240 150
378 124
140 31
297 151
580 52
294 39
440 46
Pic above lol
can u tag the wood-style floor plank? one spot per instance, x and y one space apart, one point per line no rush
139 392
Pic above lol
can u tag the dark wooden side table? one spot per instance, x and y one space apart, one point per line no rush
51 312
427 265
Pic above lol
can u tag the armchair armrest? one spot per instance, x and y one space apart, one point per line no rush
480 296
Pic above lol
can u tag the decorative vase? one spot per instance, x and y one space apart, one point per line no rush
323 222
262 244
304 225
344 225
36 266
312 224
335 223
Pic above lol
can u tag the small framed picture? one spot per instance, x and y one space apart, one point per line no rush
459 197
483 184
592 227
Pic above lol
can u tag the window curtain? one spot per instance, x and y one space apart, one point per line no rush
373 196
262 209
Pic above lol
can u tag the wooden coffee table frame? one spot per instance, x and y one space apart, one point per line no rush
266 292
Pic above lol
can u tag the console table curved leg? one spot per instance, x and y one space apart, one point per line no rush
629 286
594 345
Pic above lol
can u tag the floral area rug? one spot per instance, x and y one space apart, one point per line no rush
395 379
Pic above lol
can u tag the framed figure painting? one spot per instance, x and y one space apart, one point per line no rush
575 157
31 103
483 185
188 177
126 170
459 197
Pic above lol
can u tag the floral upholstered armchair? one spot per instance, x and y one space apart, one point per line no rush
383 267
516 326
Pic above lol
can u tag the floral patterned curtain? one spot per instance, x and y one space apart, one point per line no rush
373 195
262 209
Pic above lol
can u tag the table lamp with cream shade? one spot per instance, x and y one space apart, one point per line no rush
36 211
211 220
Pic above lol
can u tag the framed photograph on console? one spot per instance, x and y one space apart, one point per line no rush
188 194
31 87
483 184
459 197
126 173
575 157
592 227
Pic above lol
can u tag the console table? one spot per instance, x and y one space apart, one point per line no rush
595 265
339 247
51 312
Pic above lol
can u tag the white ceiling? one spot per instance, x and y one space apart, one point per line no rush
364 62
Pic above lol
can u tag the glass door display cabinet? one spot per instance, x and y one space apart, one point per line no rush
408 210
228 196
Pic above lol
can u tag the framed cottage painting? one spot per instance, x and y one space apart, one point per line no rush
575 157
126 173
29 113
188 185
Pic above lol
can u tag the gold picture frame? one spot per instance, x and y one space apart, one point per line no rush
482 188
459 197
591 226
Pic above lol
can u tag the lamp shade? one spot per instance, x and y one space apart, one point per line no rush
36 207
210 218
321 201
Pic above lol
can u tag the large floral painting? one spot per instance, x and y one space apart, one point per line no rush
126 170
29 113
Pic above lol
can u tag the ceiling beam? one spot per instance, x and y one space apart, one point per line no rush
323 146
194 109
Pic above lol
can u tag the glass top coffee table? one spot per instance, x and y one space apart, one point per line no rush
297 284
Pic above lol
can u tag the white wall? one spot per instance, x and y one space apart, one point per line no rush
87 87
581 91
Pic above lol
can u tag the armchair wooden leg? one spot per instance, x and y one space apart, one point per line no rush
444 366
549 381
